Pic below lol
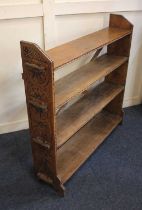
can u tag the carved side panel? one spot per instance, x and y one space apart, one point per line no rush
38 79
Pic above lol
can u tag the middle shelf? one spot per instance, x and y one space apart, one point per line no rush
81 79
78 114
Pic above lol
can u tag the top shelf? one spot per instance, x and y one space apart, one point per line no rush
70 51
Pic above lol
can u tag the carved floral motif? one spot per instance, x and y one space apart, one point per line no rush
37 77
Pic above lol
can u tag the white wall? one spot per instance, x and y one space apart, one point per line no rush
48 24
13 114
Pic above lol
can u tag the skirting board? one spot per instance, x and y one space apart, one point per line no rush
13 126
23 124
132 102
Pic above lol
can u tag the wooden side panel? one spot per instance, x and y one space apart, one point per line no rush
119 21
122 46
119 75
39 88
119 48
115 106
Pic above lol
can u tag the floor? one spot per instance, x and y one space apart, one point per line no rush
110 180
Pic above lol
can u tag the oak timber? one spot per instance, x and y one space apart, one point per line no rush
79 80
73 154
63 137
72 50
77 115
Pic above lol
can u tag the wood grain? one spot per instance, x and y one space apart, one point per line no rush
62 139
73 154
70 51
119 48
77 115
78 81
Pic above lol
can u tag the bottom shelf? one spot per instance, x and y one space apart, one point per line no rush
73 153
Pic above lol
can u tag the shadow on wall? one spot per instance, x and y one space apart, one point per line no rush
137 64
139 68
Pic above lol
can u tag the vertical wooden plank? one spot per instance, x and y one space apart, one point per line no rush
122 46
115 106
119 21
119 75
119 48
38 80
38 75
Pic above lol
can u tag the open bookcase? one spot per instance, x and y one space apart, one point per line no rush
63 137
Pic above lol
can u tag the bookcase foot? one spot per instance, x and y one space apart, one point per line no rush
122 114
55 183
58 186
121 122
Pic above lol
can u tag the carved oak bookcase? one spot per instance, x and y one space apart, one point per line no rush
63 137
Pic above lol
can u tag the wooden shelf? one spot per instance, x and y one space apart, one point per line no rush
77 115
63 137
73 154
68 52
78 81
